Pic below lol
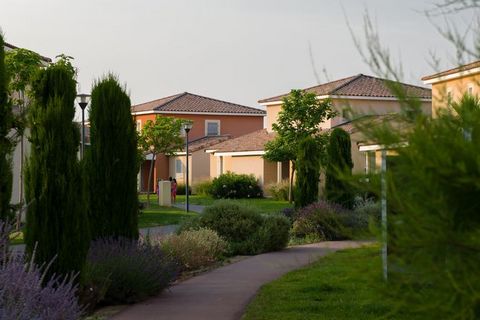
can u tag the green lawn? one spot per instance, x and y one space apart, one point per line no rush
339 286
265 205
16 237
156 215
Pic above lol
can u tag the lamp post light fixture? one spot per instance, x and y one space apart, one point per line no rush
84 99
187 127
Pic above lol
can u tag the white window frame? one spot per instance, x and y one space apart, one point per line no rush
139 125
212 121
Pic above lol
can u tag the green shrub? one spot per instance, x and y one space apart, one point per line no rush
203 188
235 186
244 228
191 223
195 249
181 189
234 222
278 191
274 233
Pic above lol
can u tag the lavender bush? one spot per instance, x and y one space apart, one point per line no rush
135 270
327 221
26 294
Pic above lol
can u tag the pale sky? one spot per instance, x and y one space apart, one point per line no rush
236 50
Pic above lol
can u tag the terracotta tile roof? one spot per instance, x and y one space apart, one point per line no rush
465 67
254 141
192 103
360 86
205 142
11 47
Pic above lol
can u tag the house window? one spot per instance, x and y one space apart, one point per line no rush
139 125
470 89
212 127
370 162
178 166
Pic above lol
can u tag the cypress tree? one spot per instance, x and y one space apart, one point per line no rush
339 169
308 172
112 162
57 225
6 145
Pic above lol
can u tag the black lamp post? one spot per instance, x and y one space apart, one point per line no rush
83 104
187 127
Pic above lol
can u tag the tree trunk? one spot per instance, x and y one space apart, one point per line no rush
152 165
290 185
20 178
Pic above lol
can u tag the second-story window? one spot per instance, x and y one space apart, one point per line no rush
470 89
212 127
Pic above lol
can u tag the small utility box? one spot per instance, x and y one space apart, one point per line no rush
164 193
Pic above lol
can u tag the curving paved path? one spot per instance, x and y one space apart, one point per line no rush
224 293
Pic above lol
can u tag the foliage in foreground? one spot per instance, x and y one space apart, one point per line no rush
246 230
112 163
195 249
130 270
235 186
434 225
344 285
57 224
27 293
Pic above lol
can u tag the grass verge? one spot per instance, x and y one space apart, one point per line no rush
343 285
156 215
264 205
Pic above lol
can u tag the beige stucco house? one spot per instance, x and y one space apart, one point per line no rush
453 84
213 121
363 96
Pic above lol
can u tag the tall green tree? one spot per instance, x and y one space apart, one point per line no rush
57 223
112 162
300 117
162 136
22 66
6 143
308 172
339 169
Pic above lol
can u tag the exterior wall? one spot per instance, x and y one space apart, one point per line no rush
458 87
233 125
270 170
200 166
272 115
245 165
370 107
358 106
